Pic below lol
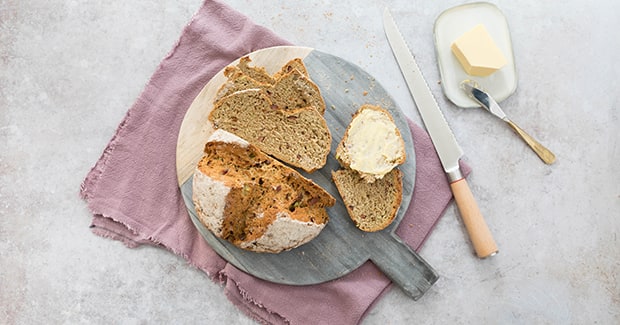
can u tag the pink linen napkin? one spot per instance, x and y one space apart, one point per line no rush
133 194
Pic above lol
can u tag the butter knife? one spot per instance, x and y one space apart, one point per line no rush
475 92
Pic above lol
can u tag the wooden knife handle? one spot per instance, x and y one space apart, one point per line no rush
478 231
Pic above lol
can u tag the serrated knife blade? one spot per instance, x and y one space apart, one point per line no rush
441 135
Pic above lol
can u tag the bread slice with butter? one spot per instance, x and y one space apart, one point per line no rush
370 185
372 144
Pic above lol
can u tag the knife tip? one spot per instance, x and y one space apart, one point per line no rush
468 84
386 12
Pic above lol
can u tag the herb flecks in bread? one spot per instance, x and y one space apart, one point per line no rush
371 206
372 144
299 137
252 200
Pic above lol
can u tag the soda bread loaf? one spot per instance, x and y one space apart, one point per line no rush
372 144
299 137
371 206
252 200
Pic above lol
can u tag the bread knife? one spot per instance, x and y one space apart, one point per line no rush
443 140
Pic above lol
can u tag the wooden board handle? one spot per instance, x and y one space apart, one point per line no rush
401 264
478 231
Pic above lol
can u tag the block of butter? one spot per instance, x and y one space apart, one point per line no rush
477 52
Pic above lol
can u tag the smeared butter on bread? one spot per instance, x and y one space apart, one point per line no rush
372 144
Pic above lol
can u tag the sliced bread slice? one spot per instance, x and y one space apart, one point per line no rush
294 90
299 137
371 206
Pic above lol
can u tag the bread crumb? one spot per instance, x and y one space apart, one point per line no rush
365 93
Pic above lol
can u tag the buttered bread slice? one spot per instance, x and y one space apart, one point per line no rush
299 137
255 202
372 144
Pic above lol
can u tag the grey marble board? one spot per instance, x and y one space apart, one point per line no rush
341 247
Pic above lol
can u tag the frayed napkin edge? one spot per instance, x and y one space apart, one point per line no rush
244 301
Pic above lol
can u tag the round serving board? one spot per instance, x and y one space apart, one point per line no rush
341 247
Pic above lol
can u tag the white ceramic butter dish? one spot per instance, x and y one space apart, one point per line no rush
449 26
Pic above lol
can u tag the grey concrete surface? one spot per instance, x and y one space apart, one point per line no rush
69 70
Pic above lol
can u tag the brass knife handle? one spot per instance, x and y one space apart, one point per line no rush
545 154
